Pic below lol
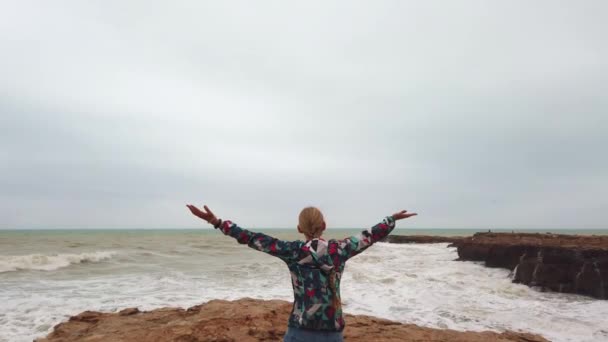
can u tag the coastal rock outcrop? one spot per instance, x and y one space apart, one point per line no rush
562 263
242 320
422 239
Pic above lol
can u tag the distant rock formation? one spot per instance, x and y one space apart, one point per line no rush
422 239
562 263
243 320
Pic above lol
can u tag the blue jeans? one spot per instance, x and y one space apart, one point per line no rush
302 335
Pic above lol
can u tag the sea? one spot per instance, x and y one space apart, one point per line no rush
46 276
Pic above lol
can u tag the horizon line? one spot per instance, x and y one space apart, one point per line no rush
284 228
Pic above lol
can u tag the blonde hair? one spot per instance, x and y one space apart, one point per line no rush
311 222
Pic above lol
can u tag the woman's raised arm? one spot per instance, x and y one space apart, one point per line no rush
356 244
285 250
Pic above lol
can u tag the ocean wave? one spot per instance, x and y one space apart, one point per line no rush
42 262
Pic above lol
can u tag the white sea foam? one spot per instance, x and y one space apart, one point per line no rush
49 262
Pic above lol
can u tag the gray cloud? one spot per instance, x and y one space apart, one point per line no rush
474 114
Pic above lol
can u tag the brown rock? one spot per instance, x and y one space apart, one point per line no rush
243 320
87 316
422 239
563 263
128 311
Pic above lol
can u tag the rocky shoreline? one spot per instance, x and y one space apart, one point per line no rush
243 320
556 262
562 263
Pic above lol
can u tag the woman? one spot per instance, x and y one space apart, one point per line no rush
316 266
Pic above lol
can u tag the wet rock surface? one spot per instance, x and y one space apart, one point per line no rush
243 320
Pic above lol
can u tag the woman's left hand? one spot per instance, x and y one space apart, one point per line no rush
403 214
206 214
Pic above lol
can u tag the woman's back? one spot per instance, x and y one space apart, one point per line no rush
315 278
316 268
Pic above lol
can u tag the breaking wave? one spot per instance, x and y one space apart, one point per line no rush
42 262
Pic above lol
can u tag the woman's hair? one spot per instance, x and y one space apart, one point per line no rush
311 222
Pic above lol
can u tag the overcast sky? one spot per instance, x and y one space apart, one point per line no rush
474 114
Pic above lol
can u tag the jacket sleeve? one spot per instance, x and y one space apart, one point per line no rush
356 244
285 250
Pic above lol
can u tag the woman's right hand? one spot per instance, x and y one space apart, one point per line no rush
206 214
402 215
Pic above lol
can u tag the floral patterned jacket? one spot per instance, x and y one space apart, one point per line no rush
312 265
